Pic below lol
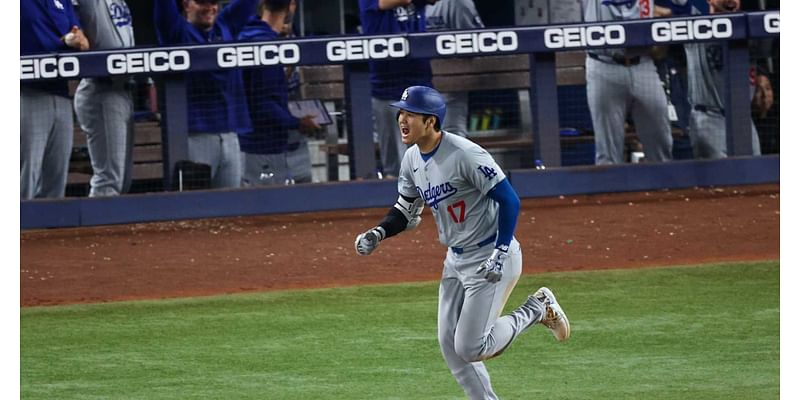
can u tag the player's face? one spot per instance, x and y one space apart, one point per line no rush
722 6
201 13
413 127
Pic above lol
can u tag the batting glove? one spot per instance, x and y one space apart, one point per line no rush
368 241
492 269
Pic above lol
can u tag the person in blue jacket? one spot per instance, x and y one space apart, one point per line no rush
390 78
216 102
267 149
46 26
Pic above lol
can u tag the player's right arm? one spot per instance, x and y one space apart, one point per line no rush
406 214
169 22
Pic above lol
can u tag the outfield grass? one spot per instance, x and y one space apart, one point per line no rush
707 332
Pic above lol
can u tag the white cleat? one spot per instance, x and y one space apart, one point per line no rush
554 317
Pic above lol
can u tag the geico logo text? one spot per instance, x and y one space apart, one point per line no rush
365 49
666 31
772 23
558 38
50 67
249 56
484 42
157 61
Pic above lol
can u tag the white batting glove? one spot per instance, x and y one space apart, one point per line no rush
368 241
492 269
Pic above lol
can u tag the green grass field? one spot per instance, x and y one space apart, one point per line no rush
706 332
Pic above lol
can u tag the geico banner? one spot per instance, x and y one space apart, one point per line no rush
698 29
349 49
252 56
476 43
765 24
49 67
155 61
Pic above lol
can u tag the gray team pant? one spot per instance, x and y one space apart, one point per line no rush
612 91
104 111
221 152
384 124
46 131
470 326
280 168
456 117
707 131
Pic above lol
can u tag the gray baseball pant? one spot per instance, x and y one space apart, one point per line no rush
384 123
221 152
708 134
46 131
279 168
456 117
471 329
613 90
104 113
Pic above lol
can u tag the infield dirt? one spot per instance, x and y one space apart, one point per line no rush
216 256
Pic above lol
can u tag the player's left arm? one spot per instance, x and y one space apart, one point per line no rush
508 211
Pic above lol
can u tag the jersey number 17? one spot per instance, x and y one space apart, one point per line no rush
457 211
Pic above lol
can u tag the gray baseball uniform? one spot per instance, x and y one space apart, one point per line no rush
450 15
619 81
104 106
704 64
454 182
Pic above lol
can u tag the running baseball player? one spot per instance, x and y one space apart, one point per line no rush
623 80
476 210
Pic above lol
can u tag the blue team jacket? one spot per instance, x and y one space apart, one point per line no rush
216 101
390 78
42 23
267 98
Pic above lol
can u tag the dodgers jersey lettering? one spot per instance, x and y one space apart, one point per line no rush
454 183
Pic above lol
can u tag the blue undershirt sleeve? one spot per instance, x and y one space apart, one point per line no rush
508 200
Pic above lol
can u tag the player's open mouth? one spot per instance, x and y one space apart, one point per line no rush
404 131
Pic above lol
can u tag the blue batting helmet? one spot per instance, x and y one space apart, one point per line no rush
422 100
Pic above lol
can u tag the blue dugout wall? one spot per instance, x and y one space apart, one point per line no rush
541 42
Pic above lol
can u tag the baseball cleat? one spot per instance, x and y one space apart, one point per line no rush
554 317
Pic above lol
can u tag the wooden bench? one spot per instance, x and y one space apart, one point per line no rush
462 74
147 156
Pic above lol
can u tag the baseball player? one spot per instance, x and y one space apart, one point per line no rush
476 210
623 80
216 101
267 149
104 105
704 65
452 15
45 110
389 78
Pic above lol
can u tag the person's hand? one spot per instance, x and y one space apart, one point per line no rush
492 269
308 126
662 12
763 98
76 39
368 241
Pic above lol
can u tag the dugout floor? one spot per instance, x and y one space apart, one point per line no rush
216 256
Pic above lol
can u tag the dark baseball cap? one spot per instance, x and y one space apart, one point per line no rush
206 1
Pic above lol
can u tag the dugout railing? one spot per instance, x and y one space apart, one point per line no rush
539 44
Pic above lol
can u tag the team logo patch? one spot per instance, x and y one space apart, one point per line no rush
488 172
405 95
